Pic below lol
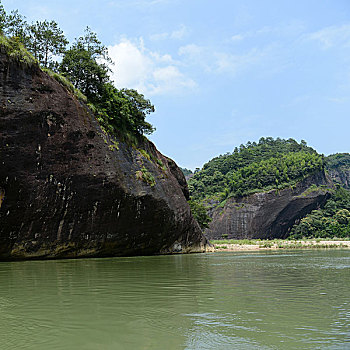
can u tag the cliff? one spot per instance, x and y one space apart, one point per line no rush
269 214
67 189
338 167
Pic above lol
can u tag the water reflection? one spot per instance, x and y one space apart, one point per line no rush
273 300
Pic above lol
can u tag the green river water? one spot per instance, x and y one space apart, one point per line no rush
262 300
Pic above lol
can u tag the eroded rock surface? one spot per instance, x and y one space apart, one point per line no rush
340 176
69 190
270 214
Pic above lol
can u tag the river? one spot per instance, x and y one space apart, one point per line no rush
298 299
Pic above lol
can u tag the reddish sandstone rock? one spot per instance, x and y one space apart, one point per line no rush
268 215
69 190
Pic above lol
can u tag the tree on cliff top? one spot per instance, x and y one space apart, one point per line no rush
45 40
121 112
14 25
85 65
2 18
82 65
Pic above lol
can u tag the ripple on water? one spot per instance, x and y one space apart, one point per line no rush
206 301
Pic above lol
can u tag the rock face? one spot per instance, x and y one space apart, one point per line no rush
340 176
270 214
69 190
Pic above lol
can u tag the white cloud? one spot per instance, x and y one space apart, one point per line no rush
234 64
149 72
176 34
191 50
220 61
159 36
331 36
179 33
342 99
170 80
237 37
132 3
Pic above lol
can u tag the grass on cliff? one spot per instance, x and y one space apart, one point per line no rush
67 84
16 51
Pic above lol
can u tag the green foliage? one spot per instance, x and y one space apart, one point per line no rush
186 172
148 177
120 112
14 25
138 108
160 164
2 18
67 84
199 212
43 39
145 154
80 65
338 160
331 221
84 71
269 164
273 173
46 39
16 51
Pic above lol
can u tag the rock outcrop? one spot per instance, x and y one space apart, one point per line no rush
338 168
271 214
67 189
341 176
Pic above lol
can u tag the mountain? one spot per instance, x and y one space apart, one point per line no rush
338 167
68 189
263 189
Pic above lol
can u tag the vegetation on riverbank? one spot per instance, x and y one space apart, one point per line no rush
254 167
274 164
333 220
256 244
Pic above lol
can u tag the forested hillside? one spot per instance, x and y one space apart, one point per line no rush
338 161
275 164
268 164
334 219
331 221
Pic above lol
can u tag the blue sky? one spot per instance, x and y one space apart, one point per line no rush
221 73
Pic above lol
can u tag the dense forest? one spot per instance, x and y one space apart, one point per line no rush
268 164
187 172
338 161
273 164
333 220
83 67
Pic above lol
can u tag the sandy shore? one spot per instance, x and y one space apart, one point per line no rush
273 245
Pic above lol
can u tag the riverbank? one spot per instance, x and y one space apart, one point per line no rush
245 244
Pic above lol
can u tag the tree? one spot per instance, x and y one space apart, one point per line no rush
86 65
15 25
82 65
200 213
46 40
3 18
139 109
92 44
